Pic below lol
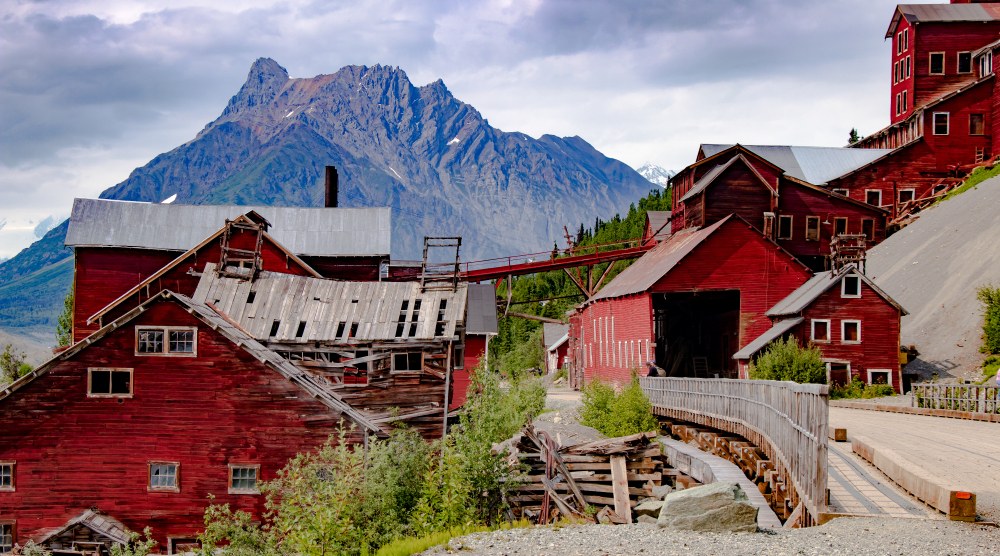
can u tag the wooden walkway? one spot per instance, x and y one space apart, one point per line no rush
856 488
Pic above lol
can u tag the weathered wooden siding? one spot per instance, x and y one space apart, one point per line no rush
694 211
737 257
345 268
737 191
879 347
222 407
105 273
616 335
950 38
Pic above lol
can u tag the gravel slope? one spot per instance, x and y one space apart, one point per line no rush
845 536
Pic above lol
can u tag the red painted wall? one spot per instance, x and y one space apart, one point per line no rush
615 336
879 347
475 348
800 202
222 407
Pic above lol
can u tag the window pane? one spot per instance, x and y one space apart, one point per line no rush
785 227
182 341
6 538
841 224
937 63
850 332
940 124
244 478
399 361
120 382
162 475
150 341
414 363
964 62
6 475
820 330
100 382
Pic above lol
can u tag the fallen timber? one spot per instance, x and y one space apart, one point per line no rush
614 473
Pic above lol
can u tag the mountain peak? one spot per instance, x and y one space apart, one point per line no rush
264 82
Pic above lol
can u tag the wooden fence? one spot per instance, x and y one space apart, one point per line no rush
974 399
788 421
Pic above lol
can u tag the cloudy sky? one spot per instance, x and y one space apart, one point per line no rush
91 89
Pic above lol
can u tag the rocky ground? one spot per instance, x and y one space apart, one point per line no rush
904 400
846 536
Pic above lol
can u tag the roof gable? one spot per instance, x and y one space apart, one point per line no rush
815 165
807 293
710 177
224 326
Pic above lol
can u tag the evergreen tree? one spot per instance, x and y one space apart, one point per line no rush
64 324
854 138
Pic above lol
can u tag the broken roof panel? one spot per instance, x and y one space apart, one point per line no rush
772 334
304 231
332 311
816 165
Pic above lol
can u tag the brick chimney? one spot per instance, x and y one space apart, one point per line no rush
331 187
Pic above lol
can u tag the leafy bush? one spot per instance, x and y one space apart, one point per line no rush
135 547
859 390
786 360
12 364
561 373
444 502
526 355
617 412
989 296
64 323
393 485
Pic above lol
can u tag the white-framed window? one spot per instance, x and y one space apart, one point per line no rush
839 226
941 123
880 376
109 382
906 40
977 124
906 195
873 197
907 67
812 228
936 63
905 105
899 42
408 362
164 476
844 192
899 103
7 476
895 73
964 62
850 286
785 227
243 478
174 341
8 535
820 330
850 332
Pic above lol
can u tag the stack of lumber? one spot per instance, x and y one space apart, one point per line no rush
611 473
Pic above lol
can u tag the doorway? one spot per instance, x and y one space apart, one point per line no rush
697 333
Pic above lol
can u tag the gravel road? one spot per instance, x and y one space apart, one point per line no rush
845 536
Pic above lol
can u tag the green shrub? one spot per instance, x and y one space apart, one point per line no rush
561 373
786 360
989 296
859 390
393 485
617 412
444 501
527 355
12 364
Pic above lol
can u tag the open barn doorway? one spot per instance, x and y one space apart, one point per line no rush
697 333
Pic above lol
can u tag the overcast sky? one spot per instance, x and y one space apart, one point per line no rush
91 89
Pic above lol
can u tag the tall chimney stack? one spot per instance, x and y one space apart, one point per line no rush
331 187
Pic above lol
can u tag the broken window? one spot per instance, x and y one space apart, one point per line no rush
840 226
850 286
820 330
441 325
937 63
341 327
301 329
458 359
868 228
907 195
850 331
150 341
977 125
354 330
250 297
6 476
941 123
274 328
414 316
109 383
165 341
843 192
784 227
6 537
964 62
412 361
164 476
243 478
873 197
812 228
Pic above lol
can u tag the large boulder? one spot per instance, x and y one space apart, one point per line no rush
717 507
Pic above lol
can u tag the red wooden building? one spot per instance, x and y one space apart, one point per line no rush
690 303
852 322
119 245
147 417
776 190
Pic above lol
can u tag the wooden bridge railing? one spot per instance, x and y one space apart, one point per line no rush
788 421
971 398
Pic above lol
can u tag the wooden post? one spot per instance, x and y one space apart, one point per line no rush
447 389
619 482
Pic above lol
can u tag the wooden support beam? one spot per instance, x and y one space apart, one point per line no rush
620 485
534 317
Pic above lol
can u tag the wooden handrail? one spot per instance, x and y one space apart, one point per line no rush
973 398
788 421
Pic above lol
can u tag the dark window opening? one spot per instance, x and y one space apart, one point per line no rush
410 361
821 331
6 475
274 328
852 331
868 228
400 328
340 329
300 330
439 328
784 227
6 538
413 330
354 329
852 286
906 195
880 378
941 123
873 198
964 62
110 382
977 124
812 228
458 361
840 226
250 297
937 63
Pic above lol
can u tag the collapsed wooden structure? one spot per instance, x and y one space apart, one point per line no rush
614 473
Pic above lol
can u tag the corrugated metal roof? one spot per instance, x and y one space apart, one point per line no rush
927 13
551 333
324 304
658 219
658 261
761 341
303 231
481 315
816 165
801 298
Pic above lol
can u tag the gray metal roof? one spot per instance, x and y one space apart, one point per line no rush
303 231
658 219
761 341
552 333
819 284
324 304
655 263
928 13
816 165
481 316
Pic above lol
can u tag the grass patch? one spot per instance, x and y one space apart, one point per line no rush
415 545
978 176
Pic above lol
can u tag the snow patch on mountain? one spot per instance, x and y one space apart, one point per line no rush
656 174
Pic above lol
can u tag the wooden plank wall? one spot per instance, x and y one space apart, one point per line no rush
737 191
